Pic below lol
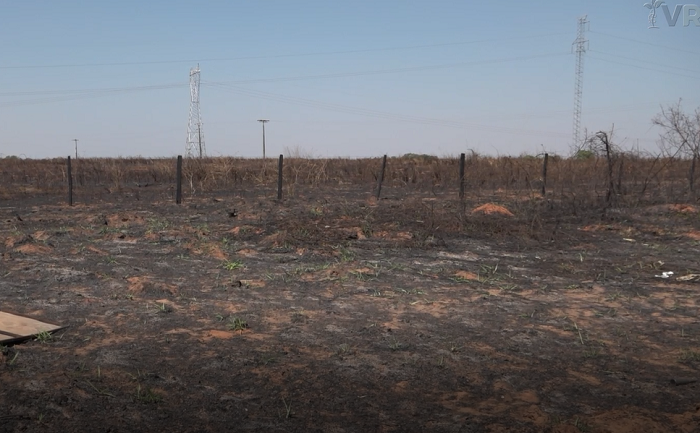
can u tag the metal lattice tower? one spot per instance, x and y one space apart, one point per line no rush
195 135
579 47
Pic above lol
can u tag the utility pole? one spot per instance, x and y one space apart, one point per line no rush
263 121
76 147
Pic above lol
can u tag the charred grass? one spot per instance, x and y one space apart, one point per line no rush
333 311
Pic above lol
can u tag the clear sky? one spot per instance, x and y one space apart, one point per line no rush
336 78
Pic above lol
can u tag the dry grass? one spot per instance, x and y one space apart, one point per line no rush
573 184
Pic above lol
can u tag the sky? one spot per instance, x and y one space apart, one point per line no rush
336 78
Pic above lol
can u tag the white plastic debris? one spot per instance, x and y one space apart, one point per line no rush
665 275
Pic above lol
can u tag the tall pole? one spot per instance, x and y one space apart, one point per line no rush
178 180
76 147
263 121
579 47
70 184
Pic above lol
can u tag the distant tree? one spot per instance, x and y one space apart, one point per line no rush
680 136
584 154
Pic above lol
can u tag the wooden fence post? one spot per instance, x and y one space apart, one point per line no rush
461 176
70 184
544 174
178 180
279 178
380 179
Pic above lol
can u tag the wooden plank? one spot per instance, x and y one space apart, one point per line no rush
18 326
4 337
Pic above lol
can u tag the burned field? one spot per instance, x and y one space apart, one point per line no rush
333 311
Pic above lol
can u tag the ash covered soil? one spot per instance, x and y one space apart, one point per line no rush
330 312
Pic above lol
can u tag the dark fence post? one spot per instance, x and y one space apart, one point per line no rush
544 174
279 178
178 180
70 184
461 176
381 177
619 174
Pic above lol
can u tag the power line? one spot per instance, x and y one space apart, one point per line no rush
103 90
646 43
89 91
644 67
528 115
66 95
276 56
646 61
389 71
383 115
95 93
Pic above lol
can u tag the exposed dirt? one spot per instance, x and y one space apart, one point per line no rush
492 209
330 312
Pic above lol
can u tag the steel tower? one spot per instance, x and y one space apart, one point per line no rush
195 135
579 47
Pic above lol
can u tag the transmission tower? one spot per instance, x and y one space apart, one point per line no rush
579 47
195 135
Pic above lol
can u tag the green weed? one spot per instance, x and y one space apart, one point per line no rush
232 265
236 324
43 337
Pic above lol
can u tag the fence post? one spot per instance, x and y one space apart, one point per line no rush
380 179
178 180
461 176
544 174
70 184
279 178
619 175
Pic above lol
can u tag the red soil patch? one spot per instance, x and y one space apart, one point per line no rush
466 275
492 209
95 250
683 208
217 334
217 253
146 284
33 249
40 236
695 235
11 241
400 236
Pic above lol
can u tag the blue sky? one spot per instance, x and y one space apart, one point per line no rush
336 78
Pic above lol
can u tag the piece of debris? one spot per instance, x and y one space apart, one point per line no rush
233 213
690 277
665 274
15 328
683 381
